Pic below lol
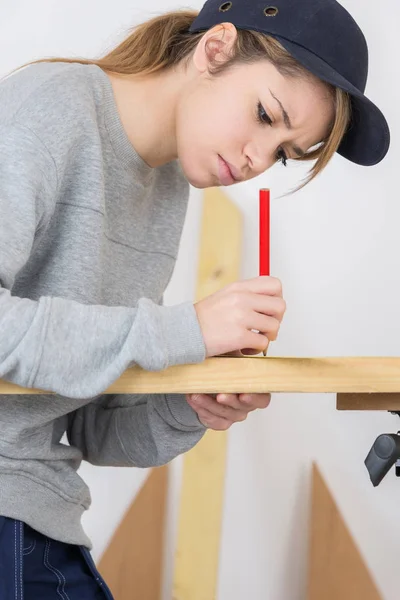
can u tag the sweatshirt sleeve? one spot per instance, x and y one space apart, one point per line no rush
135 430
57 344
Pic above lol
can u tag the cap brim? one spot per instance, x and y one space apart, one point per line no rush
367 139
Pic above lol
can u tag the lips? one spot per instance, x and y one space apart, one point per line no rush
226 172
234 172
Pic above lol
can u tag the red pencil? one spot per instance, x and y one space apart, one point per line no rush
264 214
264 232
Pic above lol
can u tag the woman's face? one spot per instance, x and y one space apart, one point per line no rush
249 116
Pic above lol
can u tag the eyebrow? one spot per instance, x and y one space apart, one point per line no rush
286 120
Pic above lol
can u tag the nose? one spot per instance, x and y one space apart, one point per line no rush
260 156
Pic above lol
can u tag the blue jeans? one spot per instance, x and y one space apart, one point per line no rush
35 567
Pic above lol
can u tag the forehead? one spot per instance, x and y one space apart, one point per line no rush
305 98
264 75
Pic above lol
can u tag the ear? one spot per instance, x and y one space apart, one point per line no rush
215 46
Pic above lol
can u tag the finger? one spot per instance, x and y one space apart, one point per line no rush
254 401
212 421
256 341
269 326
231 400
274 306
206 402
265 284
244 351
236 353
248 352
246 402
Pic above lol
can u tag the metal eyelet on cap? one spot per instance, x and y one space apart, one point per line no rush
225 6
271 11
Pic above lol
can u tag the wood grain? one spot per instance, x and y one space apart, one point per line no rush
258 374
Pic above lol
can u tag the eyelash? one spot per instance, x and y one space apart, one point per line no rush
264 118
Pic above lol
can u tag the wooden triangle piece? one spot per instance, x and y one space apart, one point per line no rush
132 563
336 568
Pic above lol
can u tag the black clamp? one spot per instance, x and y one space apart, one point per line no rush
385 453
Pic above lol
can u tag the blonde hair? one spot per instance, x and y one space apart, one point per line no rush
164 41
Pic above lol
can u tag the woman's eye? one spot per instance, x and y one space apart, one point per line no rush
262 115
282 156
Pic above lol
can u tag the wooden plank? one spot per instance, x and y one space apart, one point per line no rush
200 517
132 563
336 568
220 244
202 492
368 402
258 374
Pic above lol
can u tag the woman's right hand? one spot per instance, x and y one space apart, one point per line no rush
228 316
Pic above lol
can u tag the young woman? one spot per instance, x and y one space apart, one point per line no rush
96 158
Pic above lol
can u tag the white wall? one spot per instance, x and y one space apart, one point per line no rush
336 248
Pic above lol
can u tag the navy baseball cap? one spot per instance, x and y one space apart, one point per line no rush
323 37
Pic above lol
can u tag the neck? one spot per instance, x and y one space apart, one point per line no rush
147 109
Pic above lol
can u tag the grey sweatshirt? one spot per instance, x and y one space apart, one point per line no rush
89 236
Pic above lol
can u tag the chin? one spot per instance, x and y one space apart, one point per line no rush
199 185
196 179
198 166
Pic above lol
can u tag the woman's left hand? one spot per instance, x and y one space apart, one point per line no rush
221 411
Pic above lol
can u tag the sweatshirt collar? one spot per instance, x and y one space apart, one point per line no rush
122 146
